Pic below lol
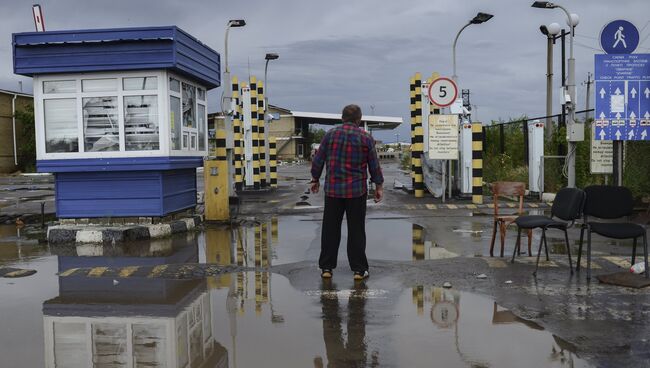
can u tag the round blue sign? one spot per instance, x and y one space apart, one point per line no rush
619 37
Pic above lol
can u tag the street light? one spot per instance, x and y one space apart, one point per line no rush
572 21
268 57
233 23
550 32
478 19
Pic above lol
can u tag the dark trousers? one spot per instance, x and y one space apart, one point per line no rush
355 213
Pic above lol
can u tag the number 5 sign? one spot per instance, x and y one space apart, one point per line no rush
443 92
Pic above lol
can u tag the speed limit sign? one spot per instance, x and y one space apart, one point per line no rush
443 92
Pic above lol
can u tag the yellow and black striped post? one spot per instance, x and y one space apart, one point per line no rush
220 151
261 133
273 162
412 121
255 134
237 136
477 163
418 140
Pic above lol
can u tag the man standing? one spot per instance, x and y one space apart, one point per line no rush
349 153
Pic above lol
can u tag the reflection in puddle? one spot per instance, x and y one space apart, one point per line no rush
264 243
426 249
471 330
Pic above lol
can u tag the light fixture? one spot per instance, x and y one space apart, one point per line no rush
271 56
544 5
481 18
236 23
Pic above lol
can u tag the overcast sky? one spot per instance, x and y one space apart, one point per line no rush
337 52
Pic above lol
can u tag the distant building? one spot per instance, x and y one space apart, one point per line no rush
10 102
291 128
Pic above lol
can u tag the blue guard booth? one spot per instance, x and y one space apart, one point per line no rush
121 116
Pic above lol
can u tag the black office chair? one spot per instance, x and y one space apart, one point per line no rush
609 202
567 206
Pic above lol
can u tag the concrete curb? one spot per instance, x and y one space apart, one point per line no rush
60 234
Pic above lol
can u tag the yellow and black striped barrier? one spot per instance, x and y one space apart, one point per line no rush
237 136
255 133
477 163
418 140
261 133
273 162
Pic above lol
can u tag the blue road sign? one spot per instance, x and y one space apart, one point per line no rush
622 88
619 37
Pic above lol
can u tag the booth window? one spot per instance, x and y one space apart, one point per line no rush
99 85
60 86
189 106
141 123
140 84
175 121
174 85
202 126
101 124
61 129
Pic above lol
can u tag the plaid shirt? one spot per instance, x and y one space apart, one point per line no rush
349 152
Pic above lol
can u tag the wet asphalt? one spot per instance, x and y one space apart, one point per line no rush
273 309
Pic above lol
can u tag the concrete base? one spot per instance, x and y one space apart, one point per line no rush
91 233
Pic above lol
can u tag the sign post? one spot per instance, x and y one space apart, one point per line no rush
443 92
622 111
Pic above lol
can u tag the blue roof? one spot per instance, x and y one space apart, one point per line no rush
90 50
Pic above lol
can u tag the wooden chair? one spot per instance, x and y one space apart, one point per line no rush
502 220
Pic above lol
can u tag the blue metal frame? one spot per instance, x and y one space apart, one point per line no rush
113 49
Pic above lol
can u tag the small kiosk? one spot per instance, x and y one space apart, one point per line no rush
121 116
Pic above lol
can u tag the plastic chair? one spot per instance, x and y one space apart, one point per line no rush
610 202
507 188
567 206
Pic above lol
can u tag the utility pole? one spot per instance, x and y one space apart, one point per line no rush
588 83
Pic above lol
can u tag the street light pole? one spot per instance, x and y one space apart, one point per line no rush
227 94
550 31
268 57
572 21
478 19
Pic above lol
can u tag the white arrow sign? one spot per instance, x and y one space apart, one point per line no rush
602 115
618 115
643 135
617 92
633 92
602 93
618 135
632 115
647 92
630 135
647 115
602 135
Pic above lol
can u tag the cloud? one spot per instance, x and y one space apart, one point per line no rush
336 52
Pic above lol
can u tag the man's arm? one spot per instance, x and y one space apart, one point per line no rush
374 168
318 163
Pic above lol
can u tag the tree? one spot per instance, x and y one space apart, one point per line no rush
26 135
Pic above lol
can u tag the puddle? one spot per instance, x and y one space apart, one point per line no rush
256 319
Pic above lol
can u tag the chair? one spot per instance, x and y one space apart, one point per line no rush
609 202
507 188
567 206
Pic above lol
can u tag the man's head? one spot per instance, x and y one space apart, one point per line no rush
351 114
